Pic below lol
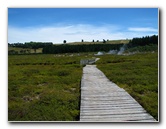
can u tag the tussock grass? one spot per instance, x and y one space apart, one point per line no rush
137 74
47 87
43 88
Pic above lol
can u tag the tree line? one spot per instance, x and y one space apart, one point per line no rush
65 48
49 48
32 45
147 40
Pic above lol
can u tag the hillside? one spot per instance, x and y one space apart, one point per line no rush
121 41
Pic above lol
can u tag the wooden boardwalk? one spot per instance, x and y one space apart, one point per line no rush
102 100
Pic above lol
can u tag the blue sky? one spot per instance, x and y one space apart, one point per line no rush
74 24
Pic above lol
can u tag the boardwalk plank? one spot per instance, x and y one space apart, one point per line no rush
102 100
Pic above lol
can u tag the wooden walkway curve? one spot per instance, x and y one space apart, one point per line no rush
102 100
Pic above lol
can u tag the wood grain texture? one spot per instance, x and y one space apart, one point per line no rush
104 101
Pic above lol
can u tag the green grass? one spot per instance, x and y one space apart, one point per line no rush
43 87
27 50
124 41
47 87
146 48
137 74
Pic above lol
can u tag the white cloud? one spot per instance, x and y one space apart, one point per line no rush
72 33
143 29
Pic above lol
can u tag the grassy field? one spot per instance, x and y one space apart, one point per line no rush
137 74
44 87
124 41
26 50
47 87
